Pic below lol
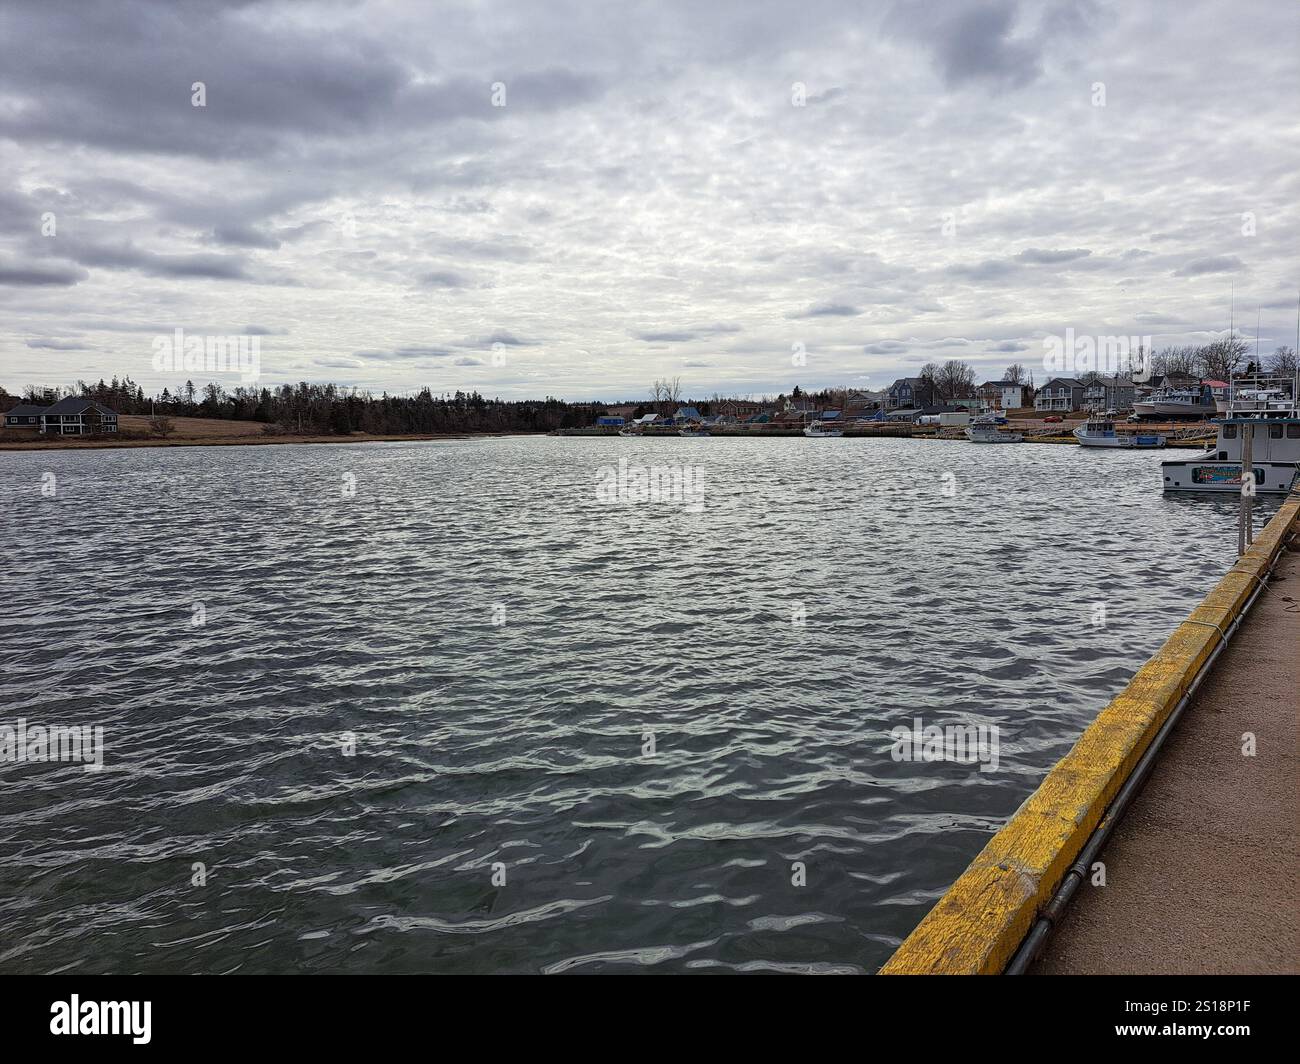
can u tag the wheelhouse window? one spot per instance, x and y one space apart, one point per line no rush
1229 432
1293 431
1275 432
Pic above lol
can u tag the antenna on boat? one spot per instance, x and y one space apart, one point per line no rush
1232 306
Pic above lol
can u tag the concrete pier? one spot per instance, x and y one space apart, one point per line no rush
1203 873
1208 854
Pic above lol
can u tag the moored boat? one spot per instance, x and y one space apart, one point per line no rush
1100 432
984 429
1267 412
821 429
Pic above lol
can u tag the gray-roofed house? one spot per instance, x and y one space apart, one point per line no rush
1060 395
1108 393
908 392
78 417
25 416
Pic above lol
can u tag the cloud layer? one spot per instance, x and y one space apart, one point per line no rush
574 199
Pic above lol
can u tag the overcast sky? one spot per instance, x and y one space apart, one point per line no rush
651 200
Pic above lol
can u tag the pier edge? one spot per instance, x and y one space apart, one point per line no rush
980 921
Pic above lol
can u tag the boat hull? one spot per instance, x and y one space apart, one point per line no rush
1126 442
1180 409
994 437
1210 474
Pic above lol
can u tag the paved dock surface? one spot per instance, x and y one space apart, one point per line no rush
1203 873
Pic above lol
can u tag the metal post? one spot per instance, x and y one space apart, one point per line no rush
1245 524
1250 500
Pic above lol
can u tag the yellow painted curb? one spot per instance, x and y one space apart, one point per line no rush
976 927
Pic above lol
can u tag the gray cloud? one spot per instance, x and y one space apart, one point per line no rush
244 236
126 256
1050 257
686 334
57 345
1210 264
443 279
829 310
405 353
41 275
968 42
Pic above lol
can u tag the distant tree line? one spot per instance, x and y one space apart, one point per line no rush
1220 360
326 409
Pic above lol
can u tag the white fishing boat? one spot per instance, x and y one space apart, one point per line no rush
821 429
1267 412
1266 401
984 429
692 433
628 432
1100 432
1175 402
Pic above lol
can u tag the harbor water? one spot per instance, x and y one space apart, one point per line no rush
530 705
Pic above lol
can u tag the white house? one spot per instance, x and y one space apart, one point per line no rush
1014 395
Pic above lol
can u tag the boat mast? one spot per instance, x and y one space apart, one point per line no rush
1258 368
1232 369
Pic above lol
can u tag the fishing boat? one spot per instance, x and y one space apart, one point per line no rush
628 432
1100 432
692 433
1175 402
984 429
1266 401
821 429
1264 410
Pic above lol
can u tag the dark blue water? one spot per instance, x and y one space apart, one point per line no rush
410 732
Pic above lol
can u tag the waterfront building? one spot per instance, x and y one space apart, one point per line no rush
909 392
67 417
1060 395
25 416
1109 393
1013 396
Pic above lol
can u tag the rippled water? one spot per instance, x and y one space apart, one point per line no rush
500 644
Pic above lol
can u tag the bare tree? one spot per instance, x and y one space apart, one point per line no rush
1283 362
1015 373
956 380
1220 359
1179 361
161 426
667 395
929 376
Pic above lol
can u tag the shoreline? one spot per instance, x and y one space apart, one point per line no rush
73 444
77 444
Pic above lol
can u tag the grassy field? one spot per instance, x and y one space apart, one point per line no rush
187 432
194 427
